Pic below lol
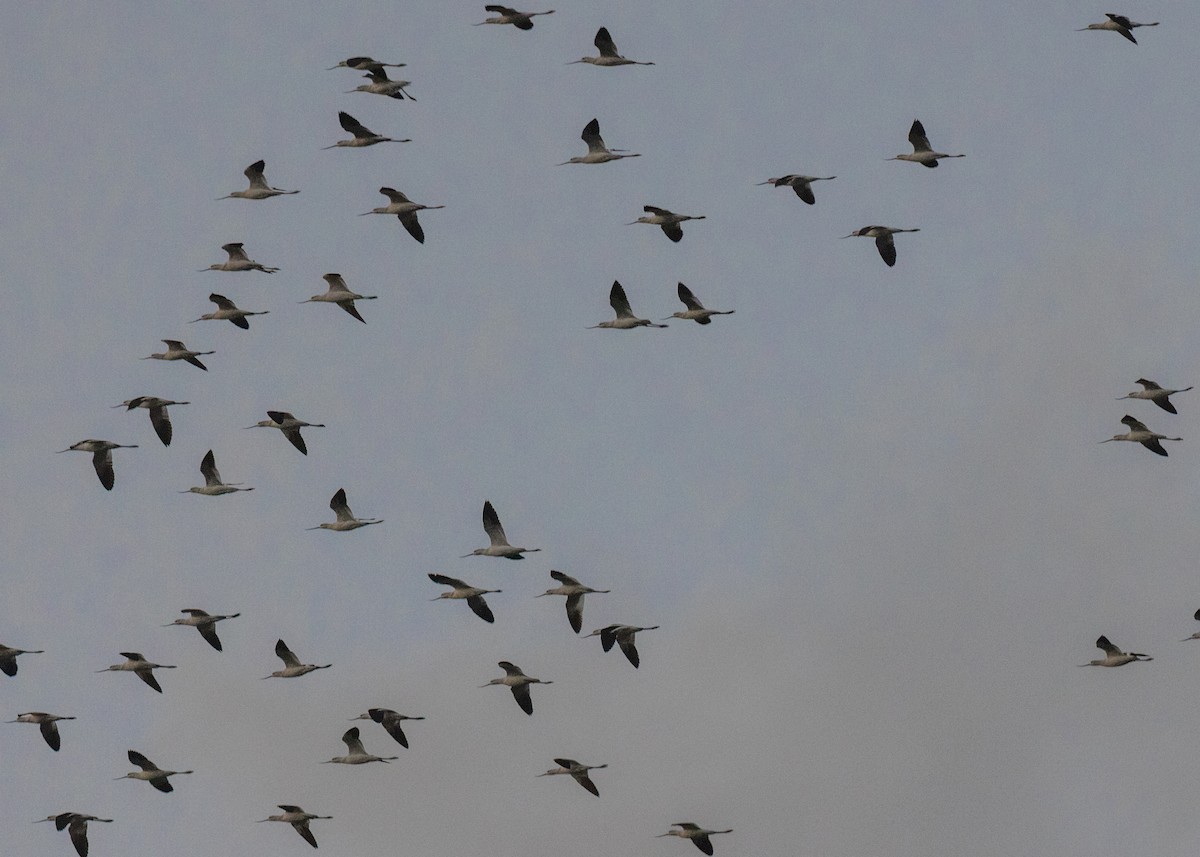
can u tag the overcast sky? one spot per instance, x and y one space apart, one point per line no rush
869 510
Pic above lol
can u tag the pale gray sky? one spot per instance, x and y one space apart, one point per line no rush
869 510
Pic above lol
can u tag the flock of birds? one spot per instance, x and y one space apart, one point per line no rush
622 636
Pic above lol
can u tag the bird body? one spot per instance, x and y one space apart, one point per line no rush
404 209
472 594
288 424
802 185
363 136
597 152
366 64
203 622
298 819
922 152
259 189
292 668
390 721
176 350
159 418
339 293
608 53
578 771
238 261
151 773
1138 433
1156 394
1114 657
47 723
213 486
356 755
623 636
883 240
574 590
695 310
508 15
518 682
136 663
499 541
668 220
625 319
381 84
101 451
345 518
698 835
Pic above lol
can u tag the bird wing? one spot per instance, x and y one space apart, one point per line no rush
1133 424
618 301
653 210
703 843
148 677
1154 446
162 424
349 307
591 136
353 126
575 612
141 761
1120 20
510 668
446 580
286 655
208 468
102 461
608 636
392 725
192 611
394 195
280 416
627 646
1149 385
502 10
477 604
221 301
50 733
301 827
254 173
209 632
584 780
162 784
521 694
605 44
235 251
409 221
673 230
1105 646
887 248
174 345
562 577
689 299
78 832
8 666
916 136
491 526
340 507
1165 403
133 656
804 191
352 742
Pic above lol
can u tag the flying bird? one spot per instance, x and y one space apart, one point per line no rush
390 721
668 220
922 152
597 152
802 185
159 418
176 350
137 664
345 518
698 835
404 209
356 755
1118 24
1138 433
297 818
213 486
381 84
48 724
292 668
363 136
151 773
578 771
101 451
1156 394
499 542
518 682
227 310
574 590
8 658
883 240
506 15
472 594
1114 657
76 824
339 293
623 636
366 64
205 623
695 310
237 261
608 52
625 319
288 424
259 189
